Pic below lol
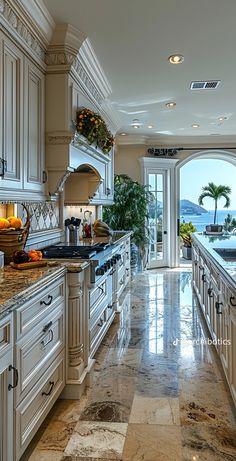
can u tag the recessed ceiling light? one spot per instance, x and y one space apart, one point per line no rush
150 126
176 59
221 119
123 134
195 125
170 104
135 123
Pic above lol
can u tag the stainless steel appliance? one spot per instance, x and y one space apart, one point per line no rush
103 257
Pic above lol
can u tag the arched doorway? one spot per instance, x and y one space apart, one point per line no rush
214 154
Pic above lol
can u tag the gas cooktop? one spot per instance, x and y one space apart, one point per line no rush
69 250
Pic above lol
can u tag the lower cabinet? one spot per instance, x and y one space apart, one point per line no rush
218 302
8 379
39 358
35 406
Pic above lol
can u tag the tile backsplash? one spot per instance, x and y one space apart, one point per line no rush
43 215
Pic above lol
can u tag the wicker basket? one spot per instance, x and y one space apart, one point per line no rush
14 240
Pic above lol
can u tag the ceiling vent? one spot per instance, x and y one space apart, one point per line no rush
207 85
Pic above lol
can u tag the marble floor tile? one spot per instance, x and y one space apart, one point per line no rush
202 443
152 443
152 375
154 411
110 399
207 403
157 387
97 440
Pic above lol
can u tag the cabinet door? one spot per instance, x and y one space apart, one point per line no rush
34 138
6 409
11 107
232 347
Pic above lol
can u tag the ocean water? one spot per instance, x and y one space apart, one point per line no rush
207 218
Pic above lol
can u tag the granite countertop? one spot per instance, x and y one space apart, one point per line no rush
209 243
18 286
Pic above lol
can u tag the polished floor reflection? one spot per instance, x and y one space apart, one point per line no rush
158 393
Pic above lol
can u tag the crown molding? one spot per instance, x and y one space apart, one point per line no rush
131 140
40 17
90 63
24 22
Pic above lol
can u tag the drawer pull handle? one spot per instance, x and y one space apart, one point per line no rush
102 290
50 339
204 277
51 388
217 306
110 306
46 327
15 377
231 301
100 324
209 292
50 298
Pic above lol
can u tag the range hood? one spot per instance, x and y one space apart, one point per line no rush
73 167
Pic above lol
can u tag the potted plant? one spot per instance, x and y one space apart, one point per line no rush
185 232
130 211
215 192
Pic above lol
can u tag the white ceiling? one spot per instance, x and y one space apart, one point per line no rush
133 39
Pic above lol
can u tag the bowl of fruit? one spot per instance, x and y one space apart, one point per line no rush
13 234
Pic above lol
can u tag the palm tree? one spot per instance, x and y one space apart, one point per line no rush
215 192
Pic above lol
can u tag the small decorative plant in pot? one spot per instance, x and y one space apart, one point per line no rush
185 232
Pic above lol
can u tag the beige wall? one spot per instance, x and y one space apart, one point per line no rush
126 160
126 157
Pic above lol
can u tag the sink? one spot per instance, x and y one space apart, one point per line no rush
228 254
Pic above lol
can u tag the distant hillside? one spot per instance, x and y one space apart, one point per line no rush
187 207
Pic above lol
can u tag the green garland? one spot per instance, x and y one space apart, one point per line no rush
92 126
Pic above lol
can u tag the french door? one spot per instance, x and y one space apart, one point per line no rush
157 222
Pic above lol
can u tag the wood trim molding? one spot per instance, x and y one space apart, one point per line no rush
16 21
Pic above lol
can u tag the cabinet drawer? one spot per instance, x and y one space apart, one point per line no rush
35 352
97 296
44 301
5 335
34 408
97 313
97 331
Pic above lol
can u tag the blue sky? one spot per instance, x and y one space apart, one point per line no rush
198 173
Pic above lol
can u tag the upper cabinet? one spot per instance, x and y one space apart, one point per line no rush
11 125
22 130
34 131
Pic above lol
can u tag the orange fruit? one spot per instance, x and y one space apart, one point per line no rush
4 223
15 222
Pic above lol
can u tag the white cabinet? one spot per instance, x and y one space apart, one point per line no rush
232 347
218 302
34 127
228 336
8 379
22 122
40 359
11 106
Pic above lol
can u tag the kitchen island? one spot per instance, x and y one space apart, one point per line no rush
214 282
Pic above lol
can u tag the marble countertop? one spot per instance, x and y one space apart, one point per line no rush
17 286
209 243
